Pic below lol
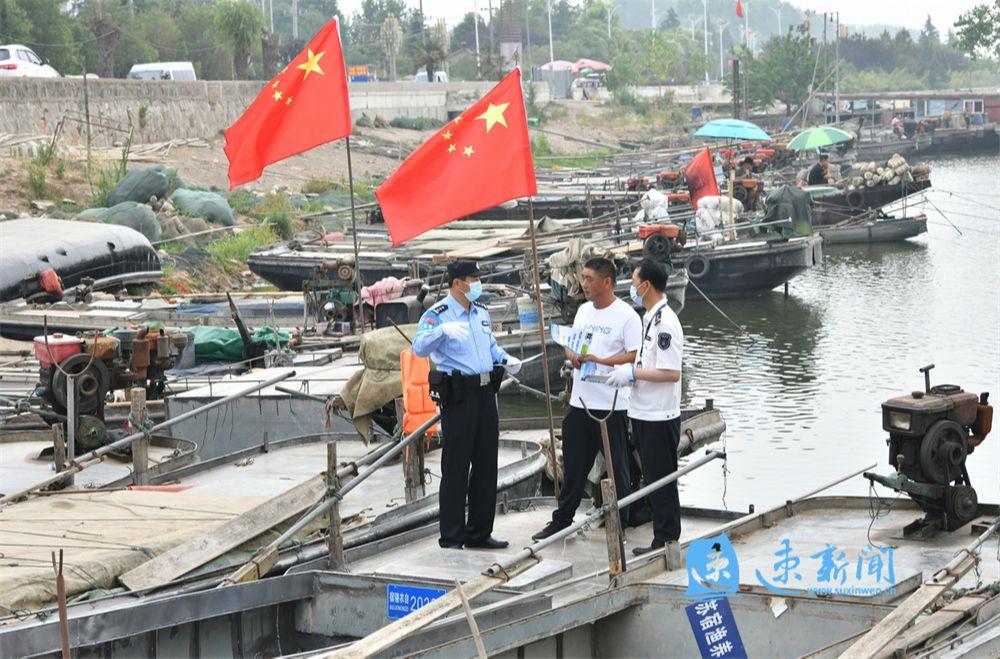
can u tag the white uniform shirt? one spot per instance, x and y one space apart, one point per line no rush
662 346
616 329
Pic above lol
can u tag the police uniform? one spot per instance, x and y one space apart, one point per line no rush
654 411
469 420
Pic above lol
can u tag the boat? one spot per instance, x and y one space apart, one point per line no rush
834 205
566 598
747 267
879 230
109 254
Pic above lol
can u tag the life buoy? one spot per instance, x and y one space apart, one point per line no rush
854 199
697 266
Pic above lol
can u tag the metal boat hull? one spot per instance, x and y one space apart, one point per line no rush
750 269
881 231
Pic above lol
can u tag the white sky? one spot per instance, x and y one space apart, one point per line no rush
910 13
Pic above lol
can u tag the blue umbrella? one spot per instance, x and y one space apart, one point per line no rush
732 129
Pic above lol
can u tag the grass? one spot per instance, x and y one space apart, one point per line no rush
318 186
238 246
542 151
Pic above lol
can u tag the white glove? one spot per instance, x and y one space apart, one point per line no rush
455 330
512 365
622 376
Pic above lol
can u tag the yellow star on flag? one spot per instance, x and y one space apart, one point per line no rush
446 135
288 101
468 151
275 85
451 148
311 64
277 96
458 119
494 115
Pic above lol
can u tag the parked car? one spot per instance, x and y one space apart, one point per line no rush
17 61
162 71
439 76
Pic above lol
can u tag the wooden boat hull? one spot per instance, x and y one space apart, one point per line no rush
881 231
748 269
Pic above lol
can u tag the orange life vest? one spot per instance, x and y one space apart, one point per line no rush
417 404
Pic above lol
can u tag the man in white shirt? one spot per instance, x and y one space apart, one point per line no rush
616 331
655 405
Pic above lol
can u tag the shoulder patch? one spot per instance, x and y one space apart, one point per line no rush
480 304
663 340
441 308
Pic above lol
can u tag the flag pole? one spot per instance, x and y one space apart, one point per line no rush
354 234
545 356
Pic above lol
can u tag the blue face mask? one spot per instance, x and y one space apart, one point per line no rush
633 293
475 290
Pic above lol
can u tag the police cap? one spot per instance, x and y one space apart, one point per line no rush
462 268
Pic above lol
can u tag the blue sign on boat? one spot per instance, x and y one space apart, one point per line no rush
715 629
402 600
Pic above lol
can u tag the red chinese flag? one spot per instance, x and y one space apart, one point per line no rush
480 159
303 106
739 8
700 177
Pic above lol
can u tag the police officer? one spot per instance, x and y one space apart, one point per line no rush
458 336
655 404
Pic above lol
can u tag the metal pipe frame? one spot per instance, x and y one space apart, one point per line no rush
96 455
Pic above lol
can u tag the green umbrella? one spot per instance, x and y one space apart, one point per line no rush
816 138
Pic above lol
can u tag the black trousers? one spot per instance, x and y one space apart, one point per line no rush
470 437
581 442
657 442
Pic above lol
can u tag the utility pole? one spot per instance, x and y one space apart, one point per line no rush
694 21
652 14
552 56
722 69
527 38
475 21
746 23
295 20
836 63
705 26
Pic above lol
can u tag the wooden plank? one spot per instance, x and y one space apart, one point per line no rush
194 553
930 626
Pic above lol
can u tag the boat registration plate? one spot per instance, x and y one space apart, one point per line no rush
401 600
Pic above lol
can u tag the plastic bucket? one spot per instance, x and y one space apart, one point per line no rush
527 312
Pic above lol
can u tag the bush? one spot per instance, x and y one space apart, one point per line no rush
36 180
242 201
540 146
318 186
239 246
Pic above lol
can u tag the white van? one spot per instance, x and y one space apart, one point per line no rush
162 71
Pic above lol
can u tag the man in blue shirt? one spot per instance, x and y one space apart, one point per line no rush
457 335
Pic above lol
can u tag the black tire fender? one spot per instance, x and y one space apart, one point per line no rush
697 266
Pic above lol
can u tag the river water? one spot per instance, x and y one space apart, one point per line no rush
801 389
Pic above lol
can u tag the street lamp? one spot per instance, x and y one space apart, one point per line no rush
777 12
611 9
705 26
722 65
552 56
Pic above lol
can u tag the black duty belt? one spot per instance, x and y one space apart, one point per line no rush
470 381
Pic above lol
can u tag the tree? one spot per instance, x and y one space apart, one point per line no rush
670 21
240 22
930 33
782 72
391 37
979 30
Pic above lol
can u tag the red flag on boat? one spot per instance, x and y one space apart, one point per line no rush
739 8
700 177
305 105
480 159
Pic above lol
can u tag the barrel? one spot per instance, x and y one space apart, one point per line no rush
527 312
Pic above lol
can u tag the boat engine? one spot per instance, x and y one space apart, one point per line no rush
931 434
101 364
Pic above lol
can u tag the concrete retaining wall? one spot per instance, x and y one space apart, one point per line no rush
163 110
